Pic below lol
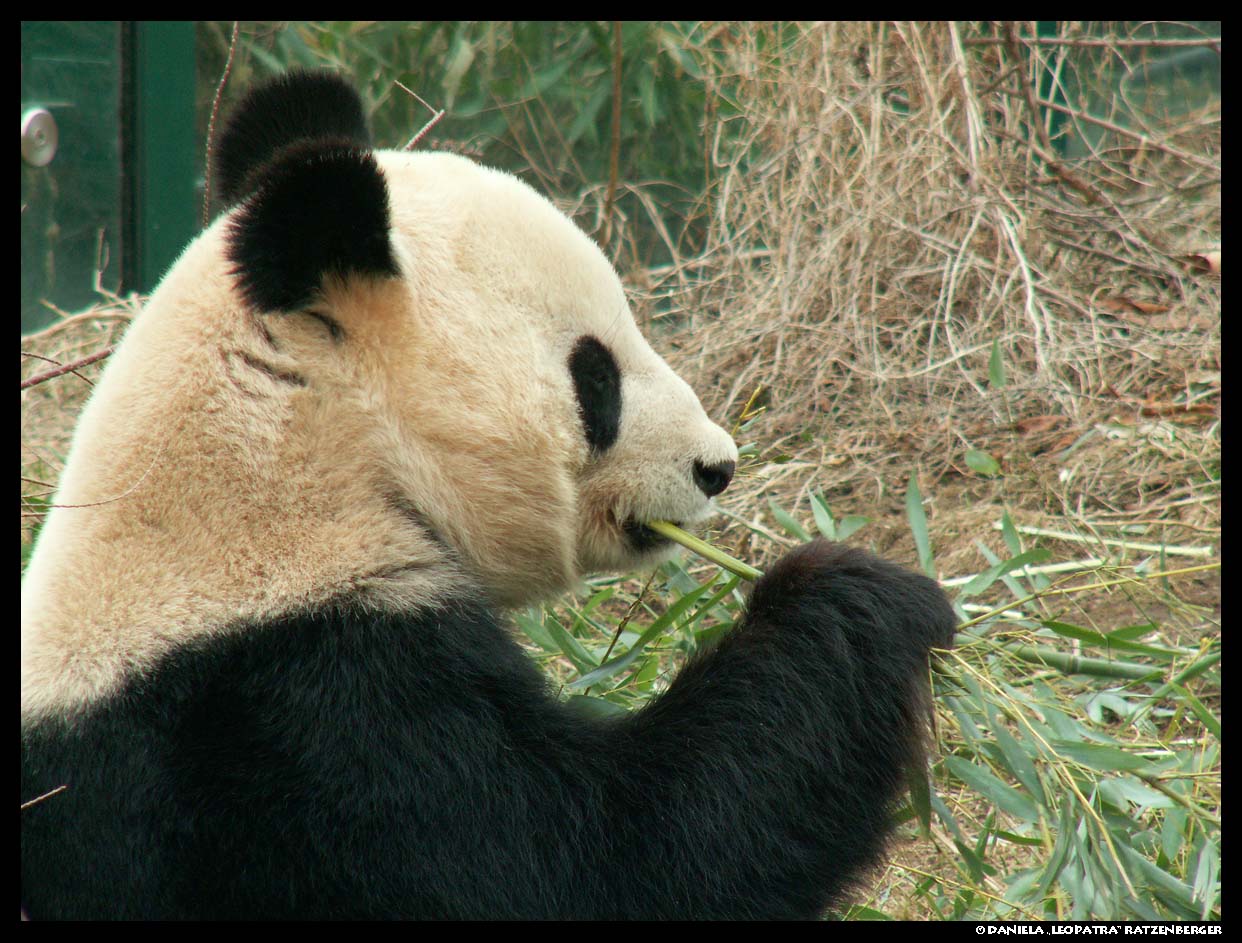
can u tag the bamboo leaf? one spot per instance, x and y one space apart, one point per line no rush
1017 761
982 463
996 367
569 646
655 630
1102 757
823 517
786 520
1206 717
1207 878
992 574
847 526
918 526
595 707
1002 795
1166 885
531 623
1010 533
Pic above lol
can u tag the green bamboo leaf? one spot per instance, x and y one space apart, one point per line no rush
823 517
1009 579
1173 832
584 124
1010 533
1193 670
456 65
992 574
1207 878
974 865
595 707
965 718
598 599
532 624
601 36
569 646
1155 651
1017 762
982 463
1132 632
655 630
984 782
920 795
1124 791
1206 717
1099 704
1060 851
1031 841
1101 756
675 47
543 80
1075 632
996 367
1166 885
648 98
918 526
847 526
783 517
1019 888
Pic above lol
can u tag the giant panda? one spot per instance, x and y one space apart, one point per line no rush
383 397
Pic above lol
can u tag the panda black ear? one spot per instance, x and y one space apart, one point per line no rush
294 107
318 208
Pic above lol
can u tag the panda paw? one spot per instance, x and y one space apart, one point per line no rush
830 587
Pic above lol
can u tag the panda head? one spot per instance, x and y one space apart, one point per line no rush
377 372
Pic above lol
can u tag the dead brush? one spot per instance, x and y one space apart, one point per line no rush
988 262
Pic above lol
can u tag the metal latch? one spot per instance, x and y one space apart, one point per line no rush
39 137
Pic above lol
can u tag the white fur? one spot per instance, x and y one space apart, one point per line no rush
203 489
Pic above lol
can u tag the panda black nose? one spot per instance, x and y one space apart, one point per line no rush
713 479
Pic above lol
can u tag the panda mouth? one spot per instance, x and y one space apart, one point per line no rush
643 538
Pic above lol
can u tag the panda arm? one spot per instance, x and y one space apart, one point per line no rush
435 775
349 763
772 763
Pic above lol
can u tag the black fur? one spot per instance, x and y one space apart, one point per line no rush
597 384
321 209
294 107
352 764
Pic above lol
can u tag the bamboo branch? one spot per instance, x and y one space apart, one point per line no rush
434 120
614 156
1172 550
1138 136
705 550
68 368
211 122
1206 41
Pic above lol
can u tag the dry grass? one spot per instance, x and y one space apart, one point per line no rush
50 407
888 206
884 211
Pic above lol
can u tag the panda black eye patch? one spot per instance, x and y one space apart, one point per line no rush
597 384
